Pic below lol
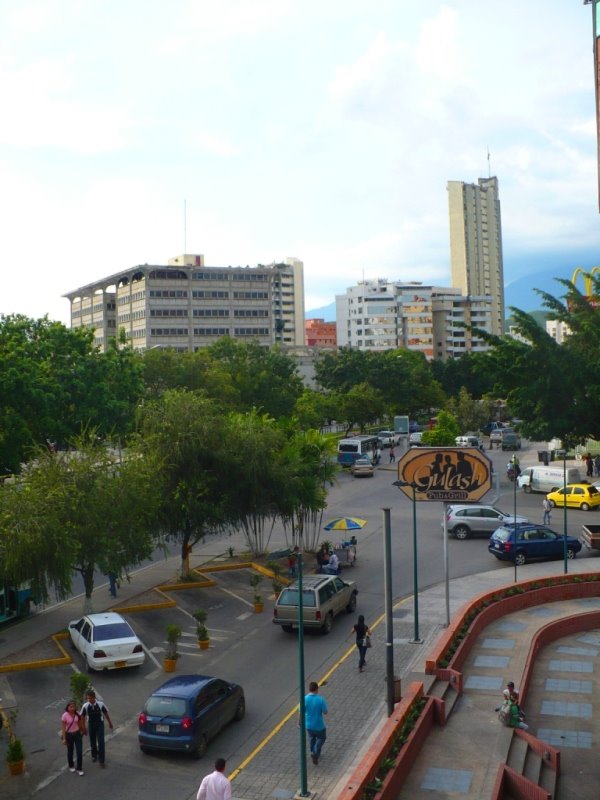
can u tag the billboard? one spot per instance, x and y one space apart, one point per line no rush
451 474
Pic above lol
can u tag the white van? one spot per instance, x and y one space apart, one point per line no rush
547 479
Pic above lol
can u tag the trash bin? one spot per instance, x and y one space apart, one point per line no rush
544 457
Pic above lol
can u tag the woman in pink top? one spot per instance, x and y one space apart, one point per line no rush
72 726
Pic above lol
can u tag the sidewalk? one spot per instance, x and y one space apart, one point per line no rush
357 705
357 701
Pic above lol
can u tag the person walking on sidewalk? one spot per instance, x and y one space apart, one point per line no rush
315 708
72 729
362 631
93 712
392 454
215 786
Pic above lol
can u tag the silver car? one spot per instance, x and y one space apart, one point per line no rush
464 521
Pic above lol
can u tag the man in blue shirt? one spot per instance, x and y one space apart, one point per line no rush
315 708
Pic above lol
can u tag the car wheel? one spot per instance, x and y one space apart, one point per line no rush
201 745
287 628
461 532
327 624
520 559
552 503
86 665
351 605
584 507
571 553
527 489
145 749
240 710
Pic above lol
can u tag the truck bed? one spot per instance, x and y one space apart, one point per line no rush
590 536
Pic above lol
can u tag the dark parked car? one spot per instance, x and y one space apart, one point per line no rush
523 543
187 711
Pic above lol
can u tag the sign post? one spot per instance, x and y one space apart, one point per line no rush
449 474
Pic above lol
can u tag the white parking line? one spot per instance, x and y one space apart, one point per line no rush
237 597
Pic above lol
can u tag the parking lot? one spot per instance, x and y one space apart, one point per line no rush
245 647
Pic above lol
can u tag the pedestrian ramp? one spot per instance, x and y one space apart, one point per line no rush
474 755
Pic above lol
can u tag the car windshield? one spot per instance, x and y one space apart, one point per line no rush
165 706
115 630
503 534
289 597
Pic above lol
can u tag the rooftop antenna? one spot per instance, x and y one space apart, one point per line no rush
489 164
185 225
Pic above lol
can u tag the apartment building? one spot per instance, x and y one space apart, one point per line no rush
383 315
186 305
319 333
476 243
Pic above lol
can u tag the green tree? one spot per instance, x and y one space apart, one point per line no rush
54 384
470 414
361 405
311 470
76 511
258 472
444 433
553 387
183 435
265 379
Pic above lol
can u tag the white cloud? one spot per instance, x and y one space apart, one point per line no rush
214 143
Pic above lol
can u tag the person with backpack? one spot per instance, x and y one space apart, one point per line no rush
94 711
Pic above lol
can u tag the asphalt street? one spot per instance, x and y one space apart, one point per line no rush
246 647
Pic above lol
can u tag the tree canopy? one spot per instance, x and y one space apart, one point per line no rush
553 387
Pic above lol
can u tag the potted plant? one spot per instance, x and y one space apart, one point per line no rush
255 581
171 656
15 755
201 629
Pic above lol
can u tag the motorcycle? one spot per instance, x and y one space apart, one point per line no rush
512 471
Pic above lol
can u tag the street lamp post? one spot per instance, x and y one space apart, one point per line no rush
565 507
302 727
515 510
416 639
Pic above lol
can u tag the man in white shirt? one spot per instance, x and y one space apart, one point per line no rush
215 786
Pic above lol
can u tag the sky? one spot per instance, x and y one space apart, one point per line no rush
253 130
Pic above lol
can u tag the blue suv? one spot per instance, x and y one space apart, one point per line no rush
523 543
187 711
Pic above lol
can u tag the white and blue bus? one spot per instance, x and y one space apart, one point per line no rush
356 447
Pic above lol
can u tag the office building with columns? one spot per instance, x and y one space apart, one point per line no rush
186 305
476 243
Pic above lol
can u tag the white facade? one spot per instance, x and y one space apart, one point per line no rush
384 315
186 305
476 243
558 330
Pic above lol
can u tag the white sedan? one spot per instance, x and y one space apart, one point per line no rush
106 641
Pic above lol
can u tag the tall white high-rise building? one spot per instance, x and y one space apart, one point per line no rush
476 243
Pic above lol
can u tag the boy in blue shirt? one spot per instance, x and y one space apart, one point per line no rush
315 708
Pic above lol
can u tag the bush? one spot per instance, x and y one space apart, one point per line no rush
15 751
79 683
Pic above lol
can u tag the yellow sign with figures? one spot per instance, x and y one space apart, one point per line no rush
451 474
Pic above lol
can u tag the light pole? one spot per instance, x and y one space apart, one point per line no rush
564 454
416 639
515 509
303 777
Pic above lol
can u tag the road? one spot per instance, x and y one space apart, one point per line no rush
246 647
